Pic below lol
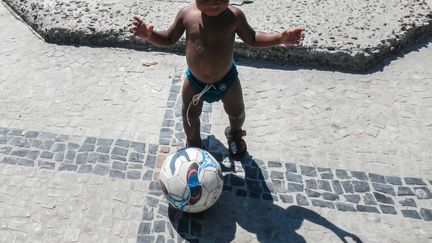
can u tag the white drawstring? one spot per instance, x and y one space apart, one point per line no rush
196 98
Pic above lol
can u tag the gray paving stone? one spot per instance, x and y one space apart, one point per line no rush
105 142
352 198
31 134
5 150
377 178
337 187
118 157
67 167
20 152
312 193
368 199
294 177
25 162
345 207
33 155
148 175
286 198
9 160
409 213
405 191
90 140
46 165
147 214
58 147
311 184
119 151
144 228
359 175
117 174
87 168
323 204
394 180
342 174
103 158
59 156
279 186
361 186
274 164
277 175
426 214
254 186
136 157
123 143
330 196
47 145
423 192
70 156
384 188
414 181
73 146
61 138
294 187
323 169
92 157
324 185
291 167
133 174
386 209
36 143
383 198
139 147
103 149
327 175
301 200
150 161
408 202
100 170
153 149
160 239
308 171
86 147
369 209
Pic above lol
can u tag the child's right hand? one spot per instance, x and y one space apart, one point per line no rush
141 29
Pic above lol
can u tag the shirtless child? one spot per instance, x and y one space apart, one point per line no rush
211 26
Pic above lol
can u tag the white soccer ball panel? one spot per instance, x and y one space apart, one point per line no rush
213 197
176 186
210 180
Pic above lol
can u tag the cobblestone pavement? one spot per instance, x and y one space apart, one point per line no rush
83 132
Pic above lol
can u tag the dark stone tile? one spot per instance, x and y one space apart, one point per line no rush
119 151
301 200
294 177
103 158
5 150
394 180
274 164
345 207
327 175
279 186
159 226
368 199
423 192
147 214
311 184
25 162
46 165
312 193
361 186
9 160
68 167
426 214
286 198
408 202
105 142
148 175
34 154
323 204
118 157
144 228
81 158
414 181
294 187
123 143
241 193
87 148
119 166
377 178
267 197
47 155
153 148
253 185
352 198
160 239
84 169
92 157
47 145
409 213
291 167
405 191
387 209
359 175
330 196
308 171
150 161
166 133
139 147
369 209
20 152
324 185
384 188
58 147
36 143
277 175
100 169
133 174
90 140
103 149
61 138
31 134
337 187
196 228
383 198
70 156
323 169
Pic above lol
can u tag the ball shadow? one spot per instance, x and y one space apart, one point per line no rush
248 202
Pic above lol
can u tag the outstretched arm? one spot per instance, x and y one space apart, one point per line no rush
165 38
292 37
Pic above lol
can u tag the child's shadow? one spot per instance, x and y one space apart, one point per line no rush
247 202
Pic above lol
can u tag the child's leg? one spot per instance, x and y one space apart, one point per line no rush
193 131
234 106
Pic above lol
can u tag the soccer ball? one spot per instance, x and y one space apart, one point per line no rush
191 180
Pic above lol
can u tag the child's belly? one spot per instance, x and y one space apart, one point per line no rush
209 66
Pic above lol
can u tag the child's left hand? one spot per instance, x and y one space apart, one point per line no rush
293 37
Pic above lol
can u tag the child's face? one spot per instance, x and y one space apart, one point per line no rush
212 7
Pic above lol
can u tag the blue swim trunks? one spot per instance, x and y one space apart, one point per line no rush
219 88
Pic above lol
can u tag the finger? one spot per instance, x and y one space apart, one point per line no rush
136 18
149 27
134 29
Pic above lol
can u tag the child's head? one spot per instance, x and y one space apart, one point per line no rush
212 7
